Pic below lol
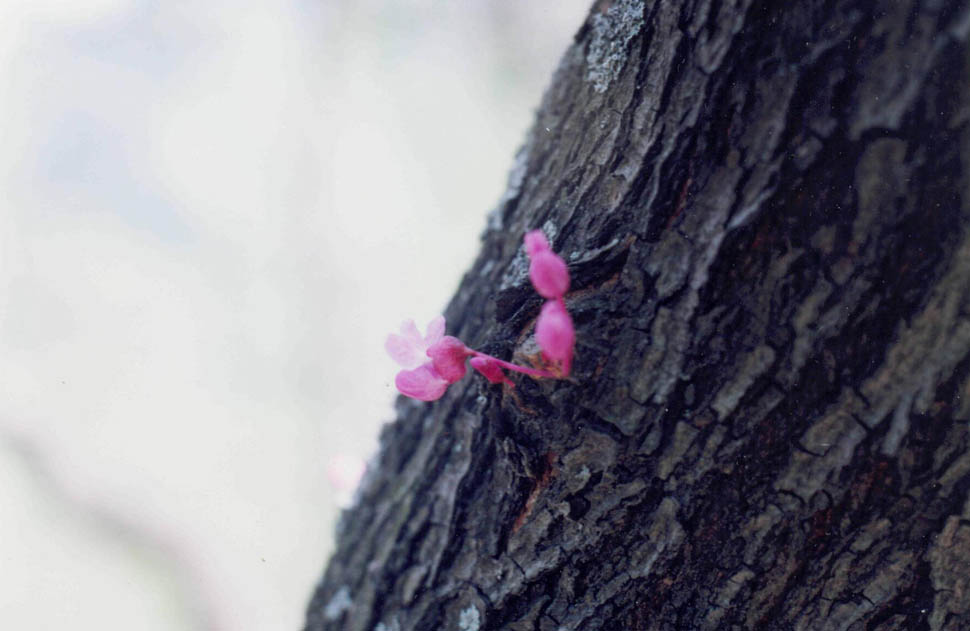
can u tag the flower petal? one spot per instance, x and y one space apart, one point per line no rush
423 383
435 330
409 331
404 351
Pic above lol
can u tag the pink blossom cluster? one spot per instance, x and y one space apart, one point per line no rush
432 362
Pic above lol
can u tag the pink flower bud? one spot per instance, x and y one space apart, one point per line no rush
535 242
448 357
423 383
490 369
555 334
547 271
549 275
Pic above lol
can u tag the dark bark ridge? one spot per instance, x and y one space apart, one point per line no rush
764 207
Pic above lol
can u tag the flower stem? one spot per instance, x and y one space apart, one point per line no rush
515 367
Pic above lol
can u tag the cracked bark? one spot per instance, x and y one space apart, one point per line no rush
764 207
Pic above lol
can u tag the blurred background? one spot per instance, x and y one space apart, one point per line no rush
211 215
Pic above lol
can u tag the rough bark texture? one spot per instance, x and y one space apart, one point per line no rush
764 206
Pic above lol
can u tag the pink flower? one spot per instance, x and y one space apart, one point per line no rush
547 271
448 358
419 379
435 361
556 336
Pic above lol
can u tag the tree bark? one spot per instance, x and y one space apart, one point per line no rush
764 207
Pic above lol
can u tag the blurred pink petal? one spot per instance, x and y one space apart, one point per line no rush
344 474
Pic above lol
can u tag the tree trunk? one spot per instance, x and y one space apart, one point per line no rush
764 207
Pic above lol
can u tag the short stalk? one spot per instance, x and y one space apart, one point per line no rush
515 367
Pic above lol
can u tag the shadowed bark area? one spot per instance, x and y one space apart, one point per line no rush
764 207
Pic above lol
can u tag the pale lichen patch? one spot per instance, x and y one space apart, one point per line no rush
340 603
899 426
611 35
469 619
